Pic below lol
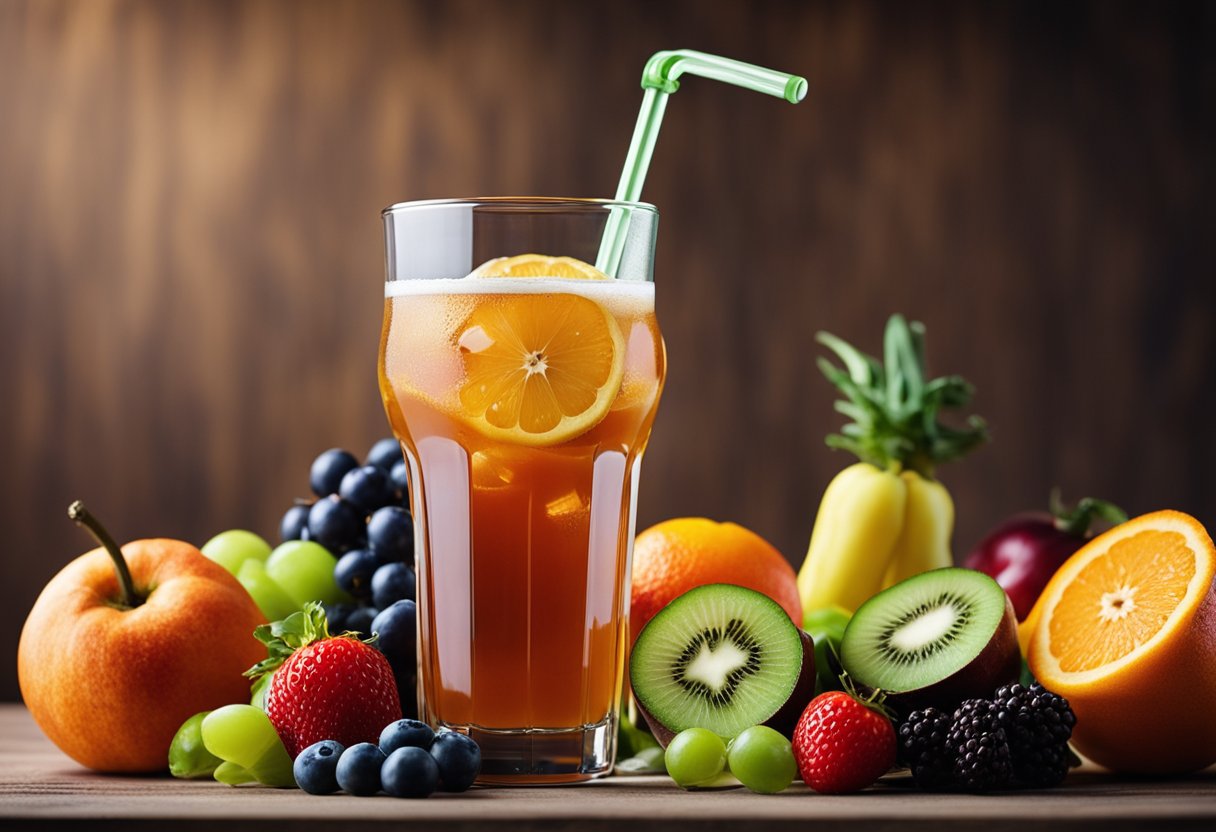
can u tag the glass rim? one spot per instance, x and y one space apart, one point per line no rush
521 203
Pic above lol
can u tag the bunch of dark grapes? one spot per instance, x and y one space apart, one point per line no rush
1017 738
361 516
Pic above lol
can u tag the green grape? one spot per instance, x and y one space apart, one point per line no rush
232 548
305 570
243 736
695 757
188 757
233 775
240 734
274 603
826 627
762 759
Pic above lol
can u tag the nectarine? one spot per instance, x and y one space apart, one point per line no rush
120 648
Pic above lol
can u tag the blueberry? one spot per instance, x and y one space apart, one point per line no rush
384 454
360 620
397 628
399 477
410 772
406 733
335 524
328 469
367 488
294 523
392 582
390 533
358 769
353 572
337 616
459 760
316 768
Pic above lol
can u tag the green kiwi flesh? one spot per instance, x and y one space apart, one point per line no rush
720 657
934 639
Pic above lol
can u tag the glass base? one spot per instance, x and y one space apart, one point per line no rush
543 756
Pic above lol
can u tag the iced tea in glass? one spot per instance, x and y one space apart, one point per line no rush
522 384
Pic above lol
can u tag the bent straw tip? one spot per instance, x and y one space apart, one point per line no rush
795 89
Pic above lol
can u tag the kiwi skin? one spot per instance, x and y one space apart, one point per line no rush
788 714
999 663
783 720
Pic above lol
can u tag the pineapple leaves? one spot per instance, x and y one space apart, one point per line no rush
892 405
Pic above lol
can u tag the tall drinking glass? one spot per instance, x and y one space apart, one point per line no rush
522 384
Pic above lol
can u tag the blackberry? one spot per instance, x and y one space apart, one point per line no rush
979 747
1037 725
922 747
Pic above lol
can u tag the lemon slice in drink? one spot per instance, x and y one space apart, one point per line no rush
539 369
538 265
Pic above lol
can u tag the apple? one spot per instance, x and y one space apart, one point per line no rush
1024 552
122 646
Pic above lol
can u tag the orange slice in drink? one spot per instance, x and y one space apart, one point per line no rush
539 265
539 368
1126 630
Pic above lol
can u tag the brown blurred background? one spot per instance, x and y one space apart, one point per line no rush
191 261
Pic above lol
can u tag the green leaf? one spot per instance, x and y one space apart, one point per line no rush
282 638
860 366
259 689
647 761
893 407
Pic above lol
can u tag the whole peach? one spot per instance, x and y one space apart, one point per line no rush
110 674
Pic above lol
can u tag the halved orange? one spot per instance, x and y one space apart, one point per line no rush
538 265
1126 630
539 368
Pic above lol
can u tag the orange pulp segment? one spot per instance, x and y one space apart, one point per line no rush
539 368
1122 596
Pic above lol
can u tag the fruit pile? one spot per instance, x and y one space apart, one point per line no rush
330 719
719 675
351 549
744 673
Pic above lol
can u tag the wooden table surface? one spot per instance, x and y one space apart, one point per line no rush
40 788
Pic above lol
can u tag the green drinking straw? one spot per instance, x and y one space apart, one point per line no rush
660 79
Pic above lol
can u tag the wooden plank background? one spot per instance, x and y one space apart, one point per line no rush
190 254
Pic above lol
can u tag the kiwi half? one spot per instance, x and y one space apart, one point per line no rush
721 657
934 639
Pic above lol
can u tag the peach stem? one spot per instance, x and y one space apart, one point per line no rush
80 515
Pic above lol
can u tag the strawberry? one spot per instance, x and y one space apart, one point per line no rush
842 743
323 687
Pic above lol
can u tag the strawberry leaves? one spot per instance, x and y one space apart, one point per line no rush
284 637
